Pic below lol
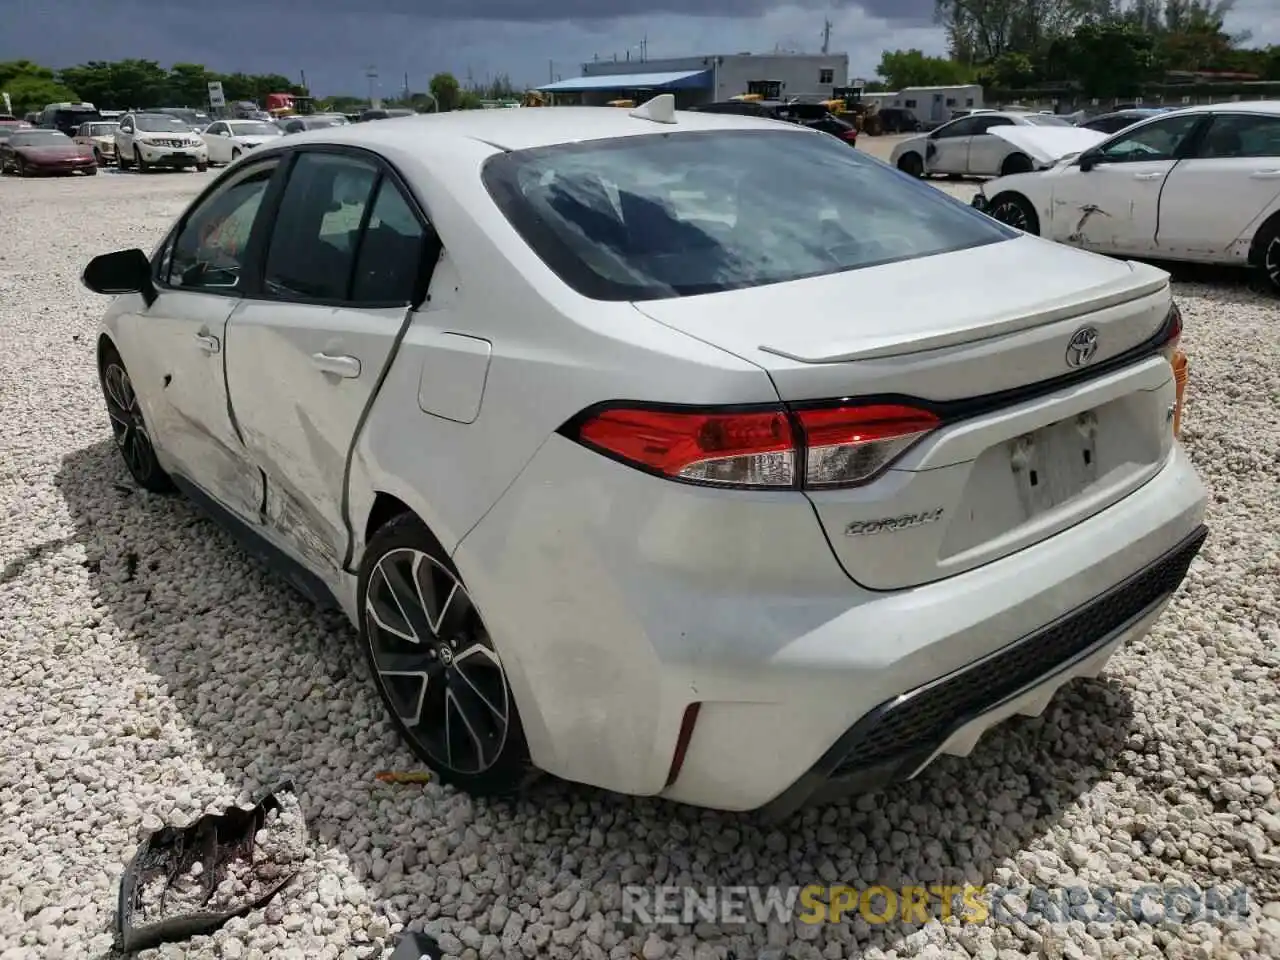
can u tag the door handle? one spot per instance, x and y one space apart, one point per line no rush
346 367
208 344
1265 175
1148 176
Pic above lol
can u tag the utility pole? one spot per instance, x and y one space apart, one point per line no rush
406 87
826 36
371 74
551 71
304 81
644 48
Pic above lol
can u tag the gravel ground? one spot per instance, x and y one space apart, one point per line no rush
151 673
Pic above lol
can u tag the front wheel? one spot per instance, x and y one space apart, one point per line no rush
1016 211
142 165
911 164
202 168
435 665
92 171
23 169
132 437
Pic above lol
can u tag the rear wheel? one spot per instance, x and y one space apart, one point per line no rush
911 164
202 167
1267 255
1016 211
97 157
435 666
1015 163
128 426
92 171
23 169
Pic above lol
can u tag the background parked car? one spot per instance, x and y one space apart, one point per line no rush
226 140
10 121
385 114
898 120
303 124
67 117
34 152
197 120
151 140
1207 176
100 137
965 147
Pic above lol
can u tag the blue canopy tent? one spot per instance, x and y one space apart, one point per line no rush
694 81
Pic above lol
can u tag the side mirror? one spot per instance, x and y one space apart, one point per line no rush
1088 160
125 271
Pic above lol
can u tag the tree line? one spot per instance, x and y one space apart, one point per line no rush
137 84
1098 48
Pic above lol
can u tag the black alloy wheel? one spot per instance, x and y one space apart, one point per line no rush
436 667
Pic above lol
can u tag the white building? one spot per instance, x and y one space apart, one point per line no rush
706 79
931 105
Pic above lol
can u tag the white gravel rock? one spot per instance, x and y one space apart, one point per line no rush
152 673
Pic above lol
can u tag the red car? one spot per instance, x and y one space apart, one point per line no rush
30 152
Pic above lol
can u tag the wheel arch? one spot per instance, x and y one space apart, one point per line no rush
1015 156
105 344
1015 194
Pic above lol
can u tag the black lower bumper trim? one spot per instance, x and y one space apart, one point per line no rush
892 740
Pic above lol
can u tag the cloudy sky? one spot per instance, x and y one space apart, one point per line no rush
335 41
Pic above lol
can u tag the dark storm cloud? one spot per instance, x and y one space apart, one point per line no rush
536 11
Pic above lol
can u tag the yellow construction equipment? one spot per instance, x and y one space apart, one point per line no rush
533 98
628 104
748 97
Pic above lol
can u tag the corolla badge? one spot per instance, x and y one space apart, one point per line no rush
1082 347
863 528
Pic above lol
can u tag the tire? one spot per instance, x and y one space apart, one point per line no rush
92 172
128 427
1015 163
142 165
202 168
1266 257
1015 210
22 169
98 158
911 164
433 700
122 162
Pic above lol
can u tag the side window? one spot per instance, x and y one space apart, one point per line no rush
826 76
313 242
390 253
1241 135
210 249
1158 140
963 127
983 124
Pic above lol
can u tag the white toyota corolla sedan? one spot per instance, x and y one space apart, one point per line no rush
681 454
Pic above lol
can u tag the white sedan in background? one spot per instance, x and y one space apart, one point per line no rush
228 139
1200 184
968 146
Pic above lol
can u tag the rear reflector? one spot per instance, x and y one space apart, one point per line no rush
770 448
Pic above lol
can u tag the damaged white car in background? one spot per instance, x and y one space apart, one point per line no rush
1200 184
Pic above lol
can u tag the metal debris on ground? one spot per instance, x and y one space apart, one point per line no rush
413 776
191 880
416 946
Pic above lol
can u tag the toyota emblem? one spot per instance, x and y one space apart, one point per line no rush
1082 347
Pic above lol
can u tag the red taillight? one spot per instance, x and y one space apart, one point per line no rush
847 445
850 136
837 445
751 449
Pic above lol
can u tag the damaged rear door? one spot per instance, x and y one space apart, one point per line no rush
307 351
1112 204
1216 197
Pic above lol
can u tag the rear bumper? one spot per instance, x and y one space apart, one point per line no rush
903 735
617 600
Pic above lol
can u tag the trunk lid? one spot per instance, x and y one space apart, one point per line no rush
982 340
1048 145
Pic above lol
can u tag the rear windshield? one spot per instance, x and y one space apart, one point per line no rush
1048 120
38 138
659 216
